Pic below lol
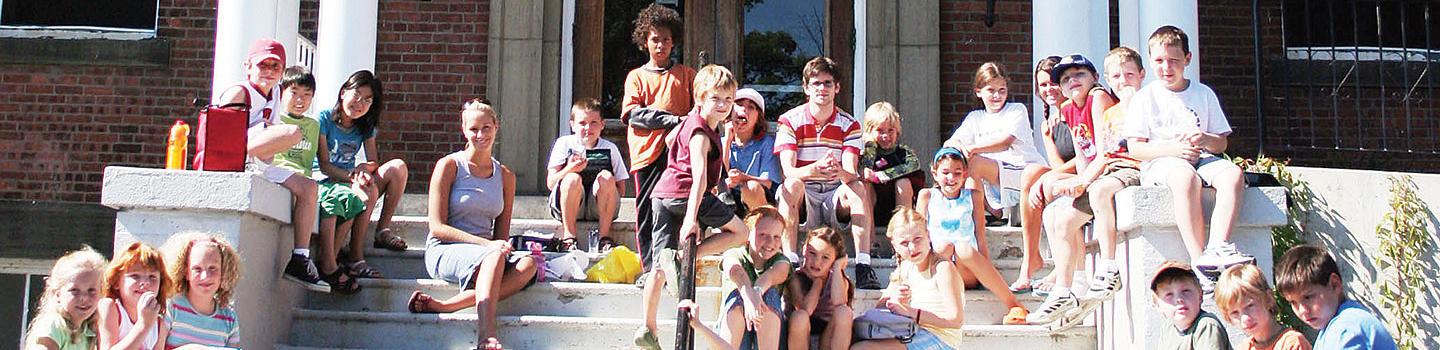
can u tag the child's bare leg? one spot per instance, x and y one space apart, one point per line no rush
792 197
837 333
799 337
457 302
361 222
393 175
735 324
1189 216
1102 203
753 194
862 222
305 209
768 332
572 191
512 281
651 293
987 169
904 194
984 271
487 291
1229 190
325 255
1030 217
606 200
273 140
731 235
1060 225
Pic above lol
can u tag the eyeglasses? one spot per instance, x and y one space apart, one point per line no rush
824 84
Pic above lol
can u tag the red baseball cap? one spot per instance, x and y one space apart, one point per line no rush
1170 267
266 48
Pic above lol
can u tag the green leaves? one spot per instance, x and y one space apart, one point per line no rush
1403 241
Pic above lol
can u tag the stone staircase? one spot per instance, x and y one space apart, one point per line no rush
581 315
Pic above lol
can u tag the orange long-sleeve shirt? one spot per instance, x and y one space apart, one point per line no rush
662 89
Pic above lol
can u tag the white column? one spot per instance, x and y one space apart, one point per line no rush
287 29
345 44
237 24
1140 18
1058 31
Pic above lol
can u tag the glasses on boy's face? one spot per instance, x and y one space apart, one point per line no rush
822 84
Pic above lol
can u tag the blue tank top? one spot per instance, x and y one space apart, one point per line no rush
949 219
475 202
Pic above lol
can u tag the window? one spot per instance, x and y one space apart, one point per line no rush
113 19
780 36
1349 30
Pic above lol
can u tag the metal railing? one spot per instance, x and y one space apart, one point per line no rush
1352 76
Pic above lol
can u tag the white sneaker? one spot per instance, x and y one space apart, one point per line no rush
1221 256
1054 307
1104 285
1207 285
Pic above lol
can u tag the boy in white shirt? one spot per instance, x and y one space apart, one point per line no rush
583 175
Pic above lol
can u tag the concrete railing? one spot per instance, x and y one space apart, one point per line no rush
245 209
1149 237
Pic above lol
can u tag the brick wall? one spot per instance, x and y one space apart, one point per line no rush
965 43
60 125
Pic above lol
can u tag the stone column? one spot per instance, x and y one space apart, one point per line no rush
287 29
1059 31
345 43
1149 237
903 67
1140 18
248 211
523 83
238 23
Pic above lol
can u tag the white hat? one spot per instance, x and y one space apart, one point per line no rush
753 96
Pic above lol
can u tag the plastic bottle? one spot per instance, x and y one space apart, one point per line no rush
177 148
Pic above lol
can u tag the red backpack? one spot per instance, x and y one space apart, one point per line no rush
220 141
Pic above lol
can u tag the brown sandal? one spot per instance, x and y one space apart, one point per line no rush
387 239
418 302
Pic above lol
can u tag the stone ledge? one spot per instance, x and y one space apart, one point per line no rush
1151 207
153 52
128 188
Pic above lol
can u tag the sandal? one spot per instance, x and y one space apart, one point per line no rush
605 244
386 239
361 269
566 245
1040 287
1021 287
1016 316
418 303
348 287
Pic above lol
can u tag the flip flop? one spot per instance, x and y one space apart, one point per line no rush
417 303
1040 287
1016 316
386 239
1024 288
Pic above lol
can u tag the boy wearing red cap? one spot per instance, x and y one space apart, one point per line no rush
260 92
1177 295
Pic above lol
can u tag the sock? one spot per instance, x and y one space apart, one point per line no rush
862 258
1059 291
305 252
794 259
1105 265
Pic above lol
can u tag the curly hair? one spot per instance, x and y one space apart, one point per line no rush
67 269
138 256
177 260
653 17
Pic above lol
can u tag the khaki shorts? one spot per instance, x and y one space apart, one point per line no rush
1127 174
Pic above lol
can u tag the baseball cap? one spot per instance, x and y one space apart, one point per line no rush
1071 60
1170 267
753 96
266 48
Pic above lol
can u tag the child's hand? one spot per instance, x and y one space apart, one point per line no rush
899 302
1187 152
1037 197
688 230
734 177
754 311
370 167
503 246
576 163
1070 187
869 175
690 308
149 308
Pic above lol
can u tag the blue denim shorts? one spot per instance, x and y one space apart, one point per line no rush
771 298
924 340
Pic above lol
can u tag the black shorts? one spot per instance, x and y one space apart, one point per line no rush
670 216
885 196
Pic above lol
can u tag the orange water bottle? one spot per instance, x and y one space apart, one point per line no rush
177 147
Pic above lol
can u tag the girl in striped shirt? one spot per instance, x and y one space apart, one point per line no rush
205 270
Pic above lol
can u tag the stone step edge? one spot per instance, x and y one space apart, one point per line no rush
973 295
578 322
419 253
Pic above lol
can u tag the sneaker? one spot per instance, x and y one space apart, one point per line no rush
1221 256
1207 285
1054 307
666 261
646 339
865 278
301 270
1104 285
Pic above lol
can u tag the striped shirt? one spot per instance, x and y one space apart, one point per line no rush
800 132
188 326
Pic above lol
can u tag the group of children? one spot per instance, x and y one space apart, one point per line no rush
288 147
144 299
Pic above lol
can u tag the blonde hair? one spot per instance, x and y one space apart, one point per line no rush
138 256
177 255
1240 282
880 113
1122 55
1170 36
479 105
909 219
764 212
713 78
66 270
988 72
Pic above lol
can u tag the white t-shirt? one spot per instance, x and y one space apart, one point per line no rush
571 144
981 126
1158 114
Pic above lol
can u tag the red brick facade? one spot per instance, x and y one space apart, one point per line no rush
60 125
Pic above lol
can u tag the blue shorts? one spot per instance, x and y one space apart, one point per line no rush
456 262
771 298
924 340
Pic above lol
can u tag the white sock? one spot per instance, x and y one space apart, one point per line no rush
862 258
305 252
794 259
1105 265
1059 291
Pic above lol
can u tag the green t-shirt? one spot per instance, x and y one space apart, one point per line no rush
53 327
741 255
300 157
1206 333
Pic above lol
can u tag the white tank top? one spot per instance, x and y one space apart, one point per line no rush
152 337
262 109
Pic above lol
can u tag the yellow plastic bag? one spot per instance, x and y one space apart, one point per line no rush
621 265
